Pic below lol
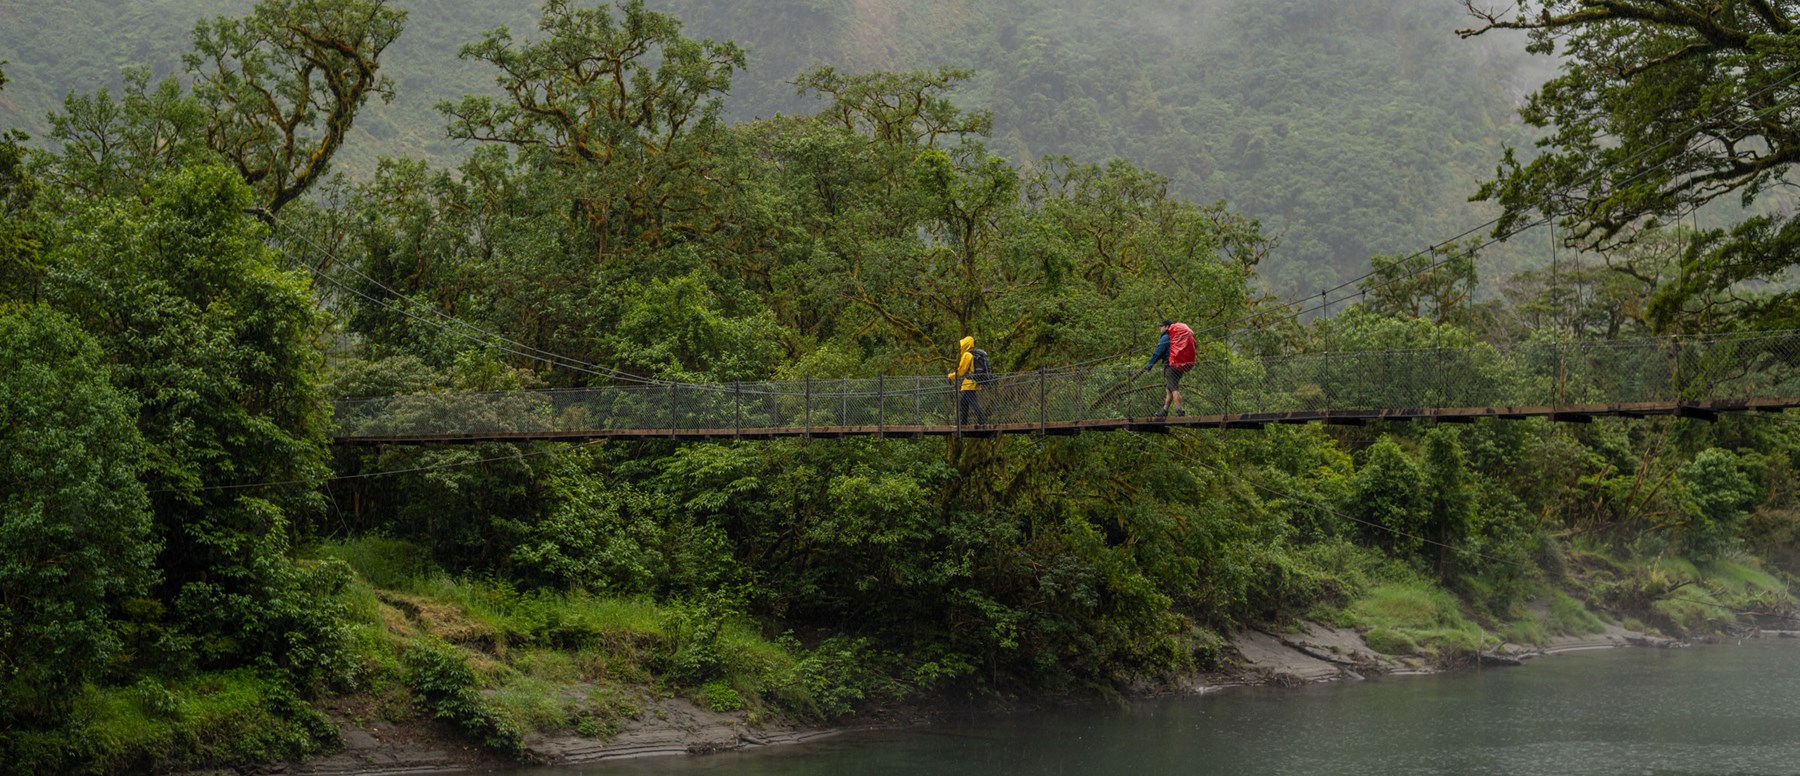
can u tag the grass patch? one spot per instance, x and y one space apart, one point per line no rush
1388 641
1693 608
1427 616
390 564
1744 580
1528 632
1406 605
535 705
1569 618
548 665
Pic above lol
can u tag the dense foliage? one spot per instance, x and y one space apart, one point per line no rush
221 573
74 520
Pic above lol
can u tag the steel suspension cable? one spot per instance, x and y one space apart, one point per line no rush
518 348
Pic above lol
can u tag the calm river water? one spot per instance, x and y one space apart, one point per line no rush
1720 709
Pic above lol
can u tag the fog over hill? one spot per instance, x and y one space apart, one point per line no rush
1351 128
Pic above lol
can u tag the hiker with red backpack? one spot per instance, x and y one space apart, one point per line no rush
972 366
1176 350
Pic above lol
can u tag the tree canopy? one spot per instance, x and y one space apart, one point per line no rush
1659 109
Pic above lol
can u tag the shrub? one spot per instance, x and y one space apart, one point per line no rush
1720 494
445 687
719 696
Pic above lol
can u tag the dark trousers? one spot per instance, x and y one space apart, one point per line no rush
970 399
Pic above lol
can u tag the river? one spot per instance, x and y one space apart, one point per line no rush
1731 708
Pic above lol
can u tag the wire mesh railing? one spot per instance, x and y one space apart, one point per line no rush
1534 374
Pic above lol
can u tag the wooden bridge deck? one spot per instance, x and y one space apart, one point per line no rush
1708 409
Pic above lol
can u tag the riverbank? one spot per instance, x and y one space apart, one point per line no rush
1719 707
458 674
1306 653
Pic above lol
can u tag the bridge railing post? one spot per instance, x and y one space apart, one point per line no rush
1675 372
1443 377
737 400
918 400
808 407
674 408
1562 369
1043 401
880 406
1225 380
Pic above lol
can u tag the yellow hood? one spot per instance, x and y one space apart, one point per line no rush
968 344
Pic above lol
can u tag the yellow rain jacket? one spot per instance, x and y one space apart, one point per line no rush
965 366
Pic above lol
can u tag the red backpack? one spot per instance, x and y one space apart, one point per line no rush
1181 345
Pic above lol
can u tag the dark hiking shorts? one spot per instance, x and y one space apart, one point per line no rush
1172 377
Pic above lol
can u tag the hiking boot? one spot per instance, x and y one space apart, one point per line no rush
1180 413
1162 413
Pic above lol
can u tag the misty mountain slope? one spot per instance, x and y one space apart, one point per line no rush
1351 128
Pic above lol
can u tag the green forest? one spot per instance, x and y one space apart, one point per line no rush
194 264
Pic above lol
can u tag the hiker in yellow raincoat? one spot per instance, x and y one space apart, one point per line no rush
966 368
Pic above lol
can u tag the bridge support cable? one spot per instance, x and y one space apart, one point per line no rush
446 321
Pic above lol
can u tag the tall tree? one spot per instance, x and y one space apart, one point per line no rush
1661 107
906 109
284 84
20 240
627 107
274 95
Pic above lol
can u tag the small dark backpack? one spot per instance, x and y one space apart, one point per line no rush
983 371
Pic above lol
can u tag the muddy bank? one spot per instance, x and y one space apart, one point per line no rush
1306 654
666 726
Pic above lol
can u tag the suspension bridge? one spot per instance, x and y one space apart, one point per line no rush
1572 381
